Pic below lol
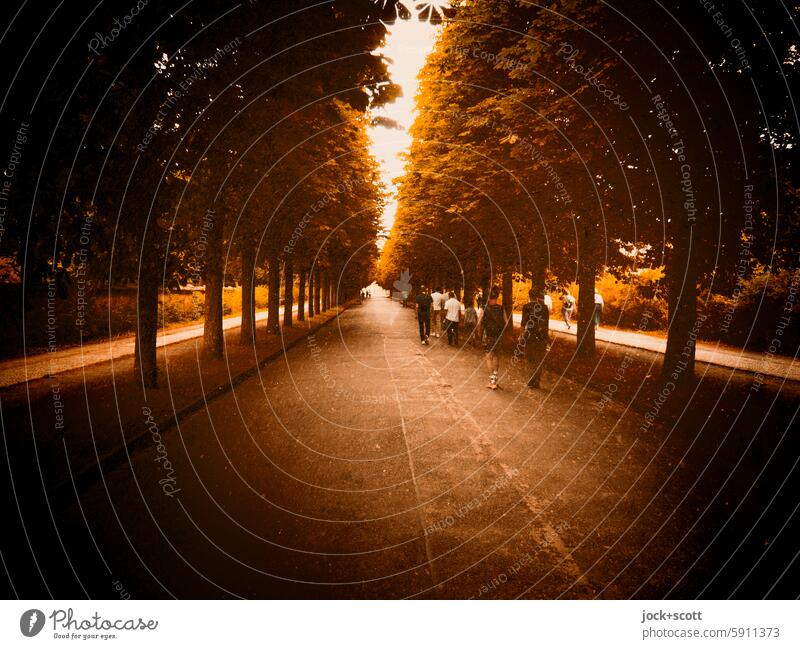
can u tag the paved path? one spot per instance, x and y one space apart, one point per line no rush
771 365
20 370
362 464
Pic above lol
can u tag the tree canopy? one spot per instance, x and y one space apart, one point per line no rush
557 141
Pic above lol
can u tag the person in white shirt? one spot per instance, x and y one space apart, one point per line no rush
548 302
453 315
567 307
438 305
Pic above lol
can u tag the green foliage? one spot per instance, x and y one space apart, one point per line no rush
496 179
9 271
180 307
521 164
752 316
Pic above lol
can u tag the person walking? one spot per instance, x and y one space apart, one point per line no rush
424 302
471 324
599 303
452 316
535 334
438 306
493 323
567 307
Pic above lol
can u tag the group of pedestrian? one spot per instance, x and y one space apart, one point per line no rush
568 305
486 321
481 322
365 294
445 316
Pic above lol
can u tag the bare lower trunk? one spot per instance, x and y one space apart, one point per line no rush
539 272
213 337
587 269
301 297
247 333
508 299
288 292
274 297
147 326
212 323
470 288
486 284
684 323
312 287
317 291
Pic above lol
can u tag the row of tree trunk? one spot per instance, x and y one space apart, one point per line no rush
317 293
679 358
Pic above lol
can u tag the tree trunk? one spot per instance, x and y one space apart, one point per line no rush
145 365
312 287
470 288
212 312
508 298
587 270
288 292
212 323
684 323
301 297
247 333
333 289
274 297
539 272
487 284
318 291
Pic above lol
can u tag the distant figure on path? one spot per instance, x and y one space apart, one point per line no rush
535 334
598 308
452 317
438 311
493 321
424 302
567 307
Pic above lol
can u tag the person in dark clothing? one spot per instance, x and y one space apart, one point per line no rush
535 334
493 323
424 302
